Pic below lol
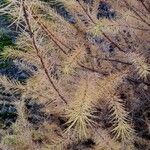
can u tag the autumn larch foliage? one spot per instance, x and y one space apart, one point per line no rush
80 64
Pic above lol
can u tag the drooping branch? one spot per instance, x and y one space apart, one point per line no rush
38 50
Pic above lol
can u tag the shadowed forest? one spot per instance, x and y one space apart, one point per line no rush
74 75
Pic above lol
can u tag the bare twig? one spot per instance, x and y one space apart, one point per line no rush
93 70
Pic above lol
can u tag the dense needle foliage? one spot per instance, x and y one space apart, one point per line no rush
88 75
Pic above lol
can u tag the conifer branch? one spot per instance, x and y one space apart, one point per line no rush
85 11
51 35
139 62
79 113
93 70
38 51
136 13
122 128
146 8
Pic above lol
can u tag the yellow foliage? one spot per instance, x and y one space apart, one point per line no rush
79 112
72 59
140 64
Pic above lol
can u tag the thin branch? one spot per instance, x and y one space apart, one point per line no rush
146 8
132 27
118 61
38 51
114 43
86 12
137 81
93 70
51 35
136 13
103 33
